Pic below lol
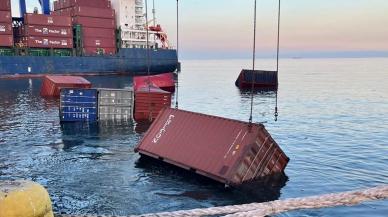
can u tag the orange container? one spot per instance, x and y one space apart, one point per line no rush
149 102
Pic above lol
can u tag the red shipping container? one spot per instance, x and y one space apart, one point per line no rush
98 33
47 31
51 85
93 51
99 42
95 22
87 3
47 42
83 11
164 81
229 151
56 5
5 17
5 5
149 102
6 29
6 40
47 20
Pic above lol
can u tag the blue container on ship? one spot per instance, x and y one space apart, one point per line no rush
78 105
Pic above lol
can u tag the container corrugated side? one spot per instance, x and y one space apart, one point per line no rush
5 17
46 42
88 32
149 102
47 20
94 22
47 31
229 151
115 104
5 5
78 105
87 3
83 11
6 40
6 29
99 42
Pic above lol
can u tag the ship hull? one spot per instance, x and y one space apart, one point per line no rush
131 61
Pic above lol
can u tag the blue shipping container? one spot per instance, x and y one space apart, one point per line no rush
78 105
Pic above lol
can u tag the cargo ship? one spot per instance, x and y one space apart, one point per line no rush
83 37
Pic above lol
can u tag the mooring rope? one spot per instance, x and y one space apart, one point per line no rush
275 207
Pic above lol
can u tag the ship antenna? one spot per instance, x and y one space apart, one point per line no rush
148 63
277 63
253 62
177 53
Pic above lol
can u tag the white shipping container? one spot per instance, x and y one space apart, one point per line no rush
115 104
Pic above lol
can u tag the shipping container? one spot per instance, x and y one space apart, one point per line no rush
56 6
87 3
52 85
47 20
6 40
149 102
260 79
92 12
47 31
95 51
98 33
99 42
115 104
78 105
164 81
229 151
5 17
94 22
46 42
5 5
6 29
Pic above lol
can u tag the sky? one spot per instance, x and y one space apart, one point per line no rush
309 28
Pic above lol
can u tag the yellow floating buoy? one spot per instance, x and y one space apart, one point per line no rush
24 199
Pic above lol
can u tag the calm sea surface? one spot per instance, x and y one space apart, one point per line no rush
333 124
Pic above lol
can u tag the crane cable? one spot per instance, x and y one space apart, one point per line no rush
253 62
177 53
277 63
148 64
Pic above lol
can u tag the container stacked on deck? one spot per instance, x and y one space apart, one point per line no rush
96 20
45 31
6 32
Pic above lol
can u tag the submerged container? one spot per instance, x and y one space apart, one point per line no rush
115 104
229 151
78 105
149 102
163 81
260 79
52 85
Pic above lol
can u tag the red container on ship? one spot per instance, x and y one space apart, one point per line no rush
5 17
47 42
149 102
93 51
47 31
98 33
99 42
5 5
6 40
47 20
87 3
92 12
6 29
51 86
228 151
94 22
164 81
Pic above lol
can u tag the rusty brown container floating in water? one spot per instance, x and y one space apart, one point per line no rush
52 85
149 102
229 151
